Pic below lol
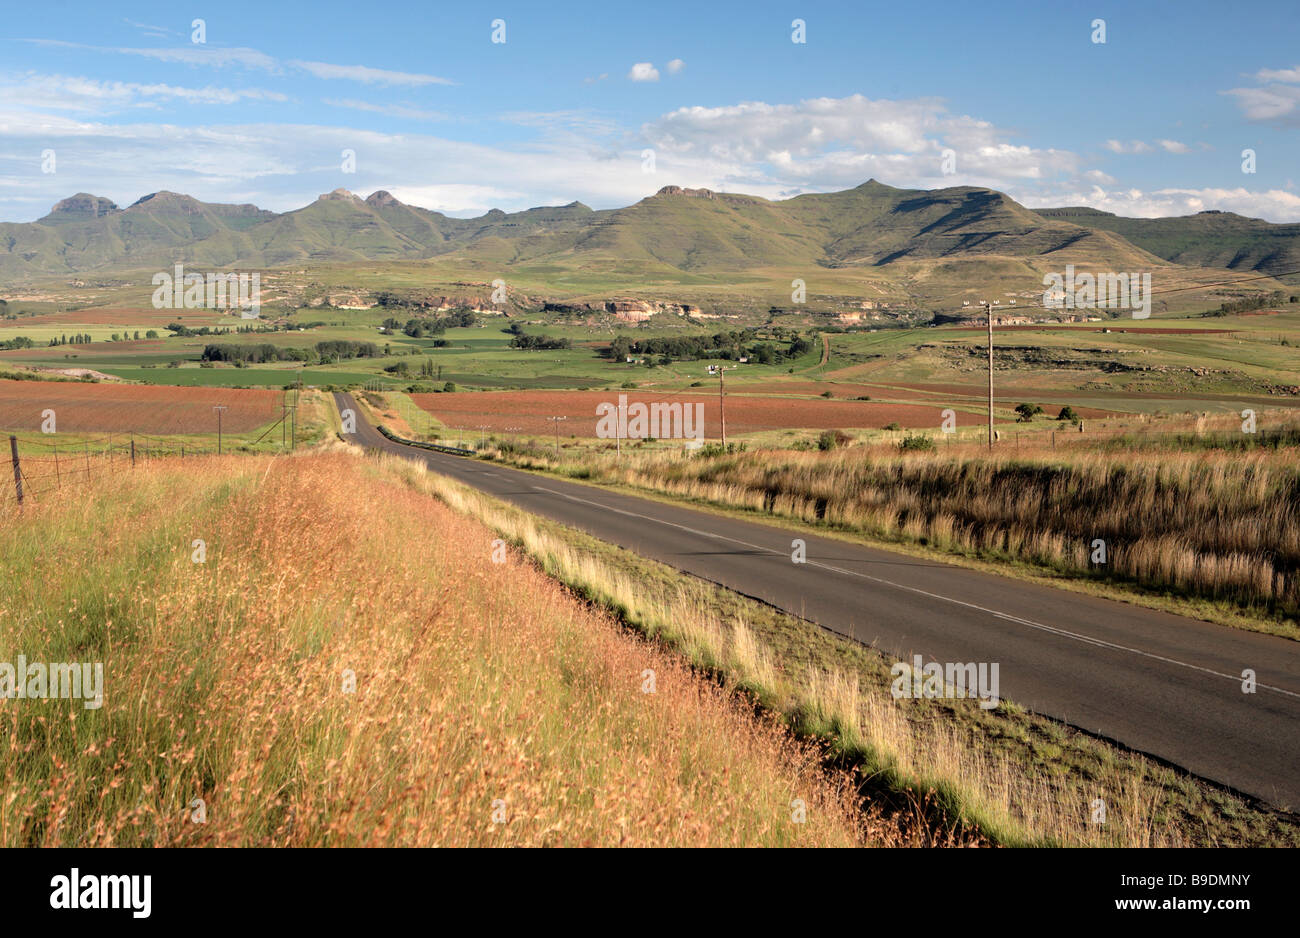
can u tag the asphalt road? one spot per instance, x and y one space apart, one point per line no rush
1158 683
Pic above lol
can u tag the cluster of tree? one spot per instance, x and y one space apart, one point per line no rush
18 342
253 354
426 369
1028 412
725 345
1246 304
339 349
85 338
182 330
435 325
525 341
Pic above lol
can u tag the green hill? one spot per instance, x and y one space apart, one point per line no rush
1206 239
677 232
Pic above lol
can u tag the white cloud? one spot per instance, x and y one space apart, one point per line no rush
675 66
579 121
757 148
189 55
1133 146
830 142
153 32
1276 205
364 73
1173 146
643 71
88 95
391 110
1278 104
203 54
1277 101
1288 75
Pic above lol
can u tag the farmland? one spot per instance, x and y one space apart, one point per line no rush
87 408
529 411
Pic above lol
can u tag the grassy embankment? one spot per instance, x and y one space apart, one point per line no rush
1015 777
479 687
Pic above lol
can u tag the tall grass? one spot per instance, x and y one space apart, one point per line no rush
490 707
1219 526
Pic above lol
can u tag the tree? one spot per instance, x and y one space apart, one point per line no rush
1067 413
1027 412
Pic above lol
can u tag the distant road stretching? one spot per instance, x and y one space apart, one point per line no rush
1158 683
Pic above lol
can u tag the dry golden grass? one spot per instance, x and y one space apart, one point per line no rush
479 687
904 754
1207 525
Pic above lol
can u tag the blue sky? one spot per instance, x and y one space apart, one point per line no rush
1017 96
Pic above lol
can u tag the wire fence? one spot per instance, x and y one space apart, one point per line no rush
41 468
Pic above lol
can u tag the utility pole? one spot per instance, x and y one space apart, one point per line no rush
219 408
722 398
483 429
988 309
293 432
556 421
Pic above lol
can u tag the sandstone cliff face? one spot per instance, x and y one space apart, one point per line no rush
80 207
626 310
381 199
692 193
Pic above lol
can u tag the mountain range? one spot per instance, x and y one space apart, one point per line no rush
685 230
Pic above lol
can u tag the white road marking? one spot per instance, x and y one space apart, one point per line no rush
1030 623
1064 633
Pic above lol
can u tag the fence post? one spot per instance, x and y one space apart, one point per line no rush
18 473
133 449
58 479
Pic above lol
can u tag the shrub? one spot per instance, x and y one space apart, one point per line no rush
832 439
916 443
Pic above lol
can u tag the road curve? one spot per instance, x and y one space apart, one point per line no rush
1159 683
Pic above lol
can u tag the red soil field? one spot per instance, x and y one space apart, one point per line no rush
968 394
529 410
89 408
